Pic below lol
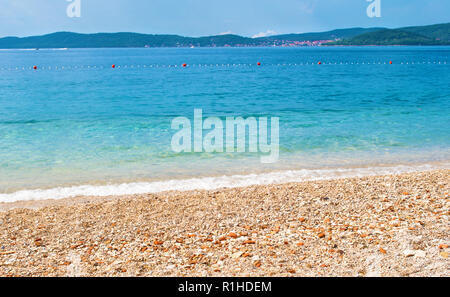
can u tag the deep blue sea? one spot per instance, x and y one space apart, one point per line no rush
76 121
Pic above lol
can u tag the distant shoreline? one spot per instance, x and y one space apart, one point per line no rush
421 35
225 47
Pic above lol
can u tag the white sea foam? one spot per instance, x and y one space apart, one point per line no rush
211 183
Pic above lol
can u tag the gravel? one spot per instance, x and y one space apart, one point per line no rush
370 226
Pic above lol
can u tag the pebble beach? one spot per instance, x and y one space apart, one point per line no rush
393 225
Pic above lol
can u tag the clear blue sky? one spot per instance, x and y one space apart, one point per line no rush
209 17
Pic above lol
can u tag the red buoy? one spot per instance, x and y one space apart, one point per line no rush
259 63
320 63
113 66
35 67
390 62
184 65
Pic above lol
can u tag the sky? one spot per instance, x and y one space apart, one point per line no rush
212 17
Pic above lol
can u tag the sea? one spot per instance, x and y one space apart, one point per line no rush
71 124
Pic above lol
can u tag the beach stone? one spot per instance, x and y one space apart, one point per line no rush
409 253
420 254
236 255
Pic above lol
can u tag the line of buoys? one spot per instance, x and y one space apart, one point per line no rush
185 65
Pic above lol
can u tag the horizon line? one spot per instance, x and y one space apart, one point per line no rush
230 33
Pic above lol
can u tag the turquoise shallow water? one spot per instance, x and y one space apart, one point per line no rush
88 123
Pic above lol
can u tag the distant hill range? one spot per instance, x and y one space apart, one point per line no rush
423 35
